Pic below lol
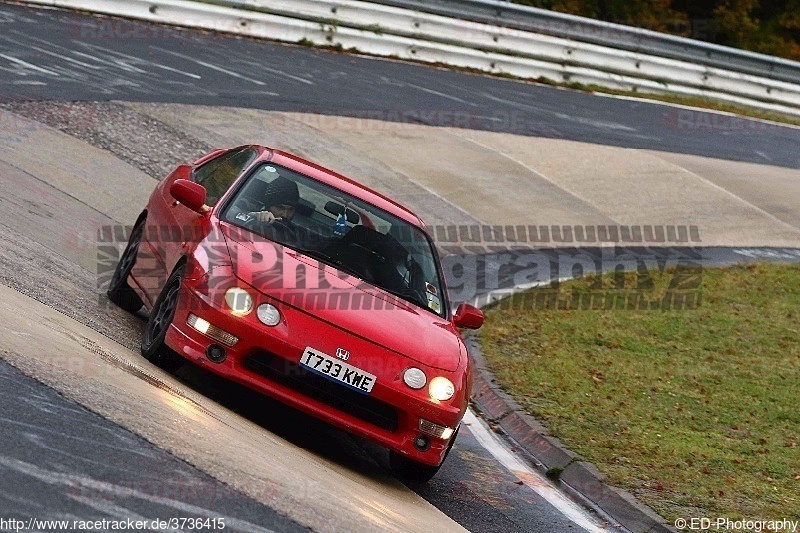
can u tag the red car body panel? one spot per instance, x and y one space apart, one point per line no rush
384 342
436 344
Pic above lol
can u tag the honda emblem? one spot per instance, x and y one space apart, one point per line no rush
342 354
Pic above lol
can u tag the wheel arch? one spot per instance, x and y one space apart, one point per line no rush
142 217
182 261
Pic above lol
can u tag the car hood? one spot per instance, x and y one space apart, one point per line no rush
319 290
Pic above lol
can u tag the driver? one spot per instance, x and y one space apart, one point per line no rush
281 198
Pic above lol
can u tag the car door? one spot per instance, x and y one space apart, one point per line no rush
173 228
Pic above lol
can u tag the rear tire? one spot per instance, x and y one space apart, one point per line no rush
119 291
153 347
415 472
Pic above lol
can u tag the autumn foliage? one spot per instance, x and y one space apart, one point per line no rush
766 26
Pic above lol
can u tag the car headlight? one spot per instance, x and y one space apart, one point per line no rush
268 314
441 389
415 378
239 300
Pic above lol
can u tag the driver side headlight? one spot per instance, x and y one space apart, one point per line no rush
239 301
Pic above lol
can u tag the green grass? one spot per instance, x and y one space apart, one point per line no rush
705 103
694 411
684 100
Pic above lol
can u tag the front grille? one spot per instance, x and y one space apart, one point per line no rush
338 396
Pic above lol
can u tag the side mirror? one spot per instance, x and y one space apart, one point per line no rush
190 194
468 316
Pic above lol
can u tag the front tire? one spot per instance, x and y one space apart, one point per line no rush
153 347
119 291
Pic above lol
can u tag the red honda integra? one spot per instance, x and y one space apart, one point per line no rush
308 287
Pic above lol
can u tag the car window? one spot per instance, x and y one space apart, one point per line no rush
218 175
345 232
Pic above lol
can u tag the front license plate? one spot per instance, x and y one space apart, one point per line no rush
336 370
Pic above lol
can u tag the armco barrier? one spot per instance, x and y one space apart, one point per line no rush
506 14
391 31
667 73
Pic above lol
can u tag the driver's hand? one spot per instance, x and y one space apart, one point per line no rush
265 216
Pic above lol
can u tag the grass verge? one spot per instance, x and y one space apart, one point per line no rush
692 101
694 412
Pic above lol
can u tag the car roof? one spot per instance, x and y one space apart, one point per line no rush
341 182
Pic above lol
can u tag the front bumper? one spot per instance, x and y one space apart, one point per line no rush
266 360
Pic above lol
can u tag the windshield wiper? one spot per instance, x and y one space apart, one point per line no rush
319 256
348 269
407 296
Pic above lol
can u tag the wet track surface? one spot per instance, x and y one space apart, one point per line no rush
40 60
62 462
471 487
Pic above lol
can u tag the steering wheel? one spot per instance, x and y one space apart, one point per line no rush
253 224
284 225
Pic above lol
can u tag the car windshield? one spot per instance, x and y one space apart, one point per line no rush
340 230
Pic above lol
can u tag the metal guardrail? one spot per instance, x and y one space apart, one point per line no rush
495 48
542 21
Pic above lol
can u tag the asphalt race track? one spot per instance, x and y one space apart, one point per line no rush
93 113
113 61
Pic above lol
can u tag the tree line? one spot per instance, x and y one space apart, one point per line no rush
766 26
